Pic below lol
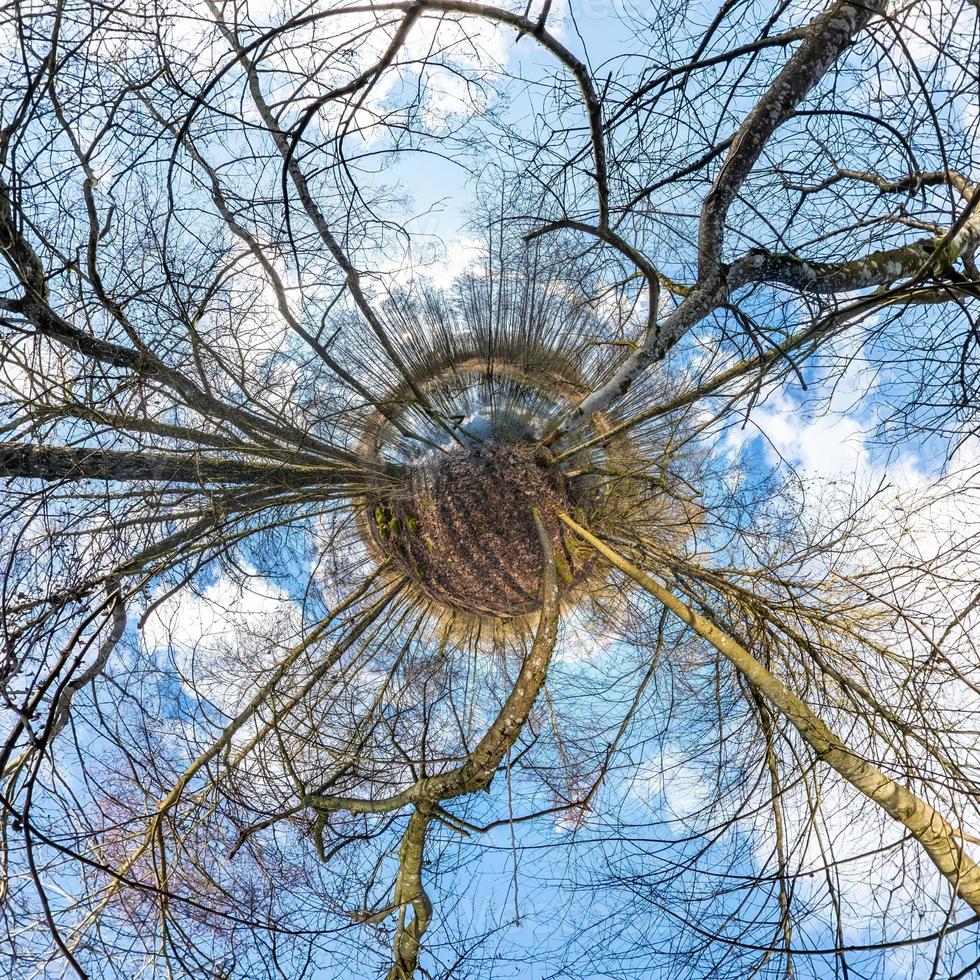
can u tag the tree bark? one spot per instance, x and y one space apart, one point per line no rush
54 463
934 833
825 39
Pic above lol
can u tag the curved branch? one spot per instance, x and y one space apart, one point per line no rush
826 38
924 257
938 838
55 463
482 763
409 890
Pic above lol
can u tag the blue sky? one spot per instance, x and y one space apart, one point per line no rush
652 801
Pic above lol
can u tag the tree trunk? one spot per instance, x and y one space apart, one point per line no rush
936 835
51 463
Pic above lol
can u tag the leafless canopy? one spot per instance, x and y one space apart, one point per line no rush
294 686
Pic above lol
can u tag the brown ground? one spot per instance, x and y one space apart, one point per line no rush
465 531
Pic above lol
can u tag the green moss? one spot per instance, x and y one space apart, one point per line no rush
944 259
381 519
563 569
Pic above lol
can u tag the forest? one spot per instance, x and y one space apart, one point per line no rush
489 490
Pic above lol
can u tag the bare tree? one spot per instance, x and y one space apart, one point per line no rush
354 620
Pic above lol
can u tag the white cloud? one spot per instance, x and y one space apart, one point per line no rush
581 640
462 255
225 638
673 779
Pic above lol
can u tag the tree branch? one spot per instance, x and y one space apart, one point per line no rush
825 39
935 834
56 463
